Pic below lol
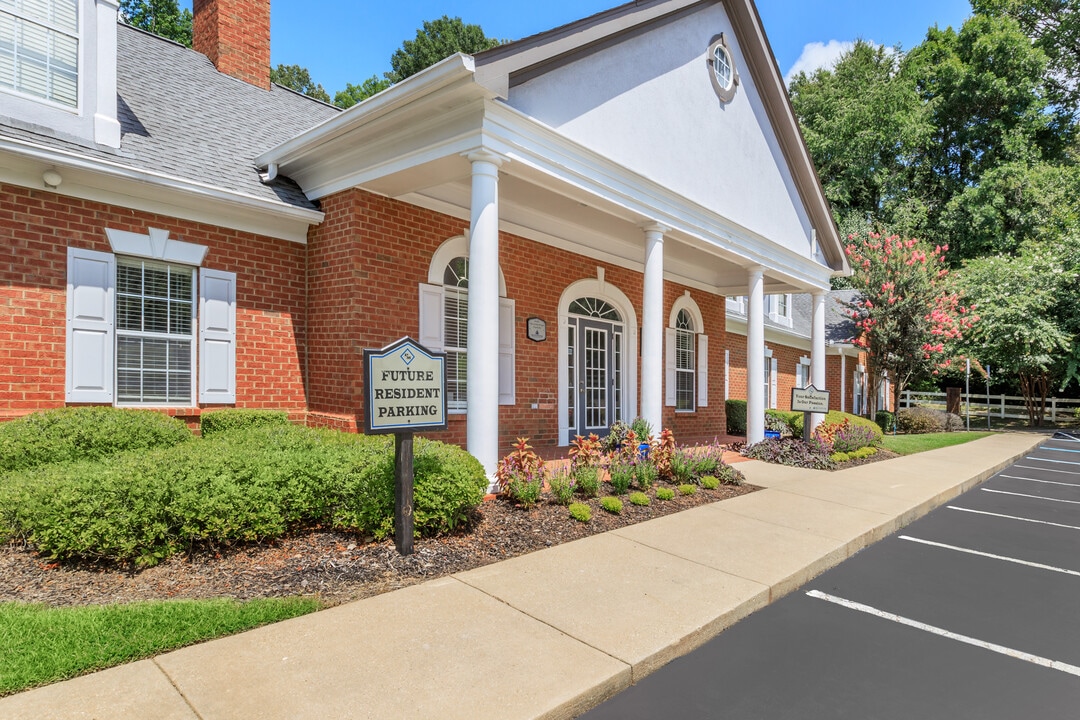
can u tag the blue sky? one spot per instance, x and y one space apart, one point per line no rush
341 41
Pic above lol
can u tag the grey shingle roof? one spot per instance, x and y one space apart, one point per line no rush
181 117
839 326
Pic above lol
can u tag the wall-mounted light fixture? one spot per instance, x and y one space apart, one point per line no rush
52 178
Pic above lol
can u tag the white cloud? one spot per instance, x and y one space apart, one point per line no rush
818 55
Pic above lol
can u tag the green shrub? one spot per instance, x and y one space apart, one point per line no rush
776 422
729 475
682 466
865 452
836 417
642 428
84 433
840 457
1076 416
562 487
665 494
789 417
920 420
710 482
587 481
645 473
639 498
524 492
687 489
216 422
580 512
736 416
792 451
612 504
621 476
885 420
241 486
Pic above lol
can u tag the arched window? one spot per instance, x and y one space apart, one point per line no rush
444 323
684 362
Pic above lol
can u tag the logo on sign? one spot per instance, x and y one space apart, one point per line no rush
404 388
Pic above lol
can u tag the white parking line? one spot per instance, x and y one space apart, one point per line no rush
1047 482
1013 517
1036 497
1003 558
1029 467
1000 649
1059 449
1061 462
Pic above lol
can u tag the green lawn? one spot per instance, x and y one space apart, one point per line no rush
40 644
911 444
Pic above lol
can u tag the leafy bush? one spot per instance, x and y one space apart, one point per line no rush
612 504
84 433
645 473
663 453
687 489
885 420
580 512
642 428
736 416
665 494
525 493
221 421
247 485
729 475
792 451
843 437
864 452
521 472
790 418
639 498
682 467
1076 416
710 482
920 420
562 487
621 475
586 452
778 424
839 457
587 481
616 437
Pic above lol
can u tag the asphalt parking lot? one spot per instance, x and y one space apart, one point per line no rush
970 612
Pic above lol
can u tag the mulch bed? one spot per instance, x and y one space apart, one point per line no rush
337 567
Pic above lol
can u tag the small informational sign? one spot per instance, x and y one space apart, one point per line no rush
404 391
404 388
536 329
810 399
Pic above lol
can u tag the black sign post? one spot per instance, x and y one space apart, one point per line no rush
404 391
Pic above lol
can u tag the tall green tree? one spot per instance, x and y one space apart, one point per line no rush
299 79
353 94
1029 327
161 17
436 41
856 118
1054 26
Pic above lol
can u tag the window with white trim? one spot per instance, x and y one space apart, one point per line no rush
684 362
802 373
39 49
155 333
145 331
444 324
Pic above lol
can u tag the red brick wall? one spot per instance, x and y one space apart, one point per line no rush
786 358
235 35
37 227
709 421
366 262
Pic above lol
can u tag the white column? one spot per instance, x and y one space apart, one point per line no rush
483 338
817 354
652 328
755 356
843 382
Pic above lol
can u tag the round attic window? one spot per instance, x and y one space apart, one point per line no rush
725 78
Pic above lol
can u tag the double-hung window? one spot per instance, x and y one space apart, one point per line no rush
456 331
149 331
39 49
684 363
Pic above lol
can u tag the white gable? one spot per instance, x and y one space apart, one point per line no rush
647 102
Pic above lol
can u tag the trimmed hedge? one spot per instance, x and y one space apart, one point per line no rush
84 433
736 416
221 421
920 420
240 486
885 420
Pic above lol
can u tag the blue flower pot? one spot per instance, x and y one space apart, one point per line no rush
643 451
772 435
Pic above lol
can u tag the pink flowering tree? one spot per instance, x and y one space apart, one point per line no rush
909 319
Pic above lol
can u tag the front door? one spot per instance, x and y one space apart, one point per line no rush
596 371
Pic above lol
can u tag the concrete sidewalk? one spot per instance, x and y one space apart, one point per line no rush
545 635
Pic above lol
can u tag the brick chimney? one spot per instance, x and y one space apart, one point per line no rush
235 35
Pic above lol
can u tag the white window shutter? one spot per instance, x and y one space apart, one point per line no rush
431 317
91 319
217 337
772 382
507 384
703 371
669 366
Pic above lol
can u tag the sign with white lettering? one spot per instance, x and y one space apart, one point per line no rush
404 388
810 399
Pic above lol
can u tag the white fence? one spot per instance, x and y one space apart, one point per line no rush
998 406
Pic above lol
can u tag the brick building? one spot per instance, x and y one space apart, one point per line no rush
564 216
